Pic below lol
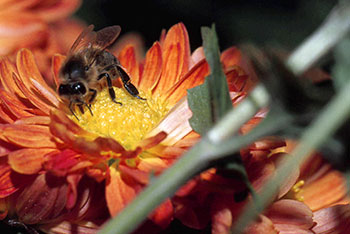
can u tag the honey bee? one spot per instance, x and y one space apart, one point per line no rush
89 66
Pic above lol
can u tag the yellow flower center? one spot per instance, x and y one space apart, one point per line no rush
127 123
296 191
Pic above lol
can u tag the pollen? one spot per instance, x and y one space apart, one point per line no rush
127 123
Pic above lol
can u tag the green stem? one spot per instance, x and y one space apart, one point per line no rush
323 40
336 112
188 165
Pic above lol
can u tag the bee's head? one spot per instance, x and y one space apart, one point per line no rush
77 88
74 69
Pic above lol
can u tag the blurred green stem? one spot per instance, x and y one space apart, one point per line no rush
335 27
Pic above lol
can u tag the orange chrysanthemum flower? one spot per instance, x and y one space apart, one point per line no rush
51 165
41 26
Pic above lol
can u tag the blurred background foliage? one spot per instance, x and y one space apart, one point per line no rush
286 23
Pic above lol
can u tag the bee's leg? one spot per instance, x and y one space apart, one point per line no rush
93 96
110 87
71 109
81 108
127 83
89 107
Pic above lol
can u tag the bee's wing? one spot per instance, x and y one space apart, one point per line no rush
107 36
87 36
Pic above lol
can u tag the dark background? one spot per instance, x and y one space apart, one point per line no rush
261 21
280 22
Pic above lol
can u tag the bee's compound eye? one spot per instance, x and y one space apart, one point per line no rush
79 88
86 68
64 90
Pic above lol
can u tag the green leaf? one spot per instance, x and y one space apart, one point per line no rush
210 101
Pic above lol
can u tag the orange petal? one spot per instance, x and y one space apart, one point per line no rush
163 214
6 184
176 57
230 57
60 163
28 30
324 191
57 61
14 106
332 220
236 79
29 71
31 136
118 193
5 115
193 78
28 161
152 68
32 98
127 59
7 81
137 175
152 165
57 10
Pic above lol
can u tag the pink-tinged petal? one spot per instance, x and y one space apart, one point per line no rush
197 56
324 191
262 225
59 117
192 79
43 199
6 78
57 61
48 94
222 222
28 161
118 193
176 57
163 214
175 123
30 136
73 181
34 120
332 220
28 71
231 57
152 141
290 215
66 227
127 59
152 68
